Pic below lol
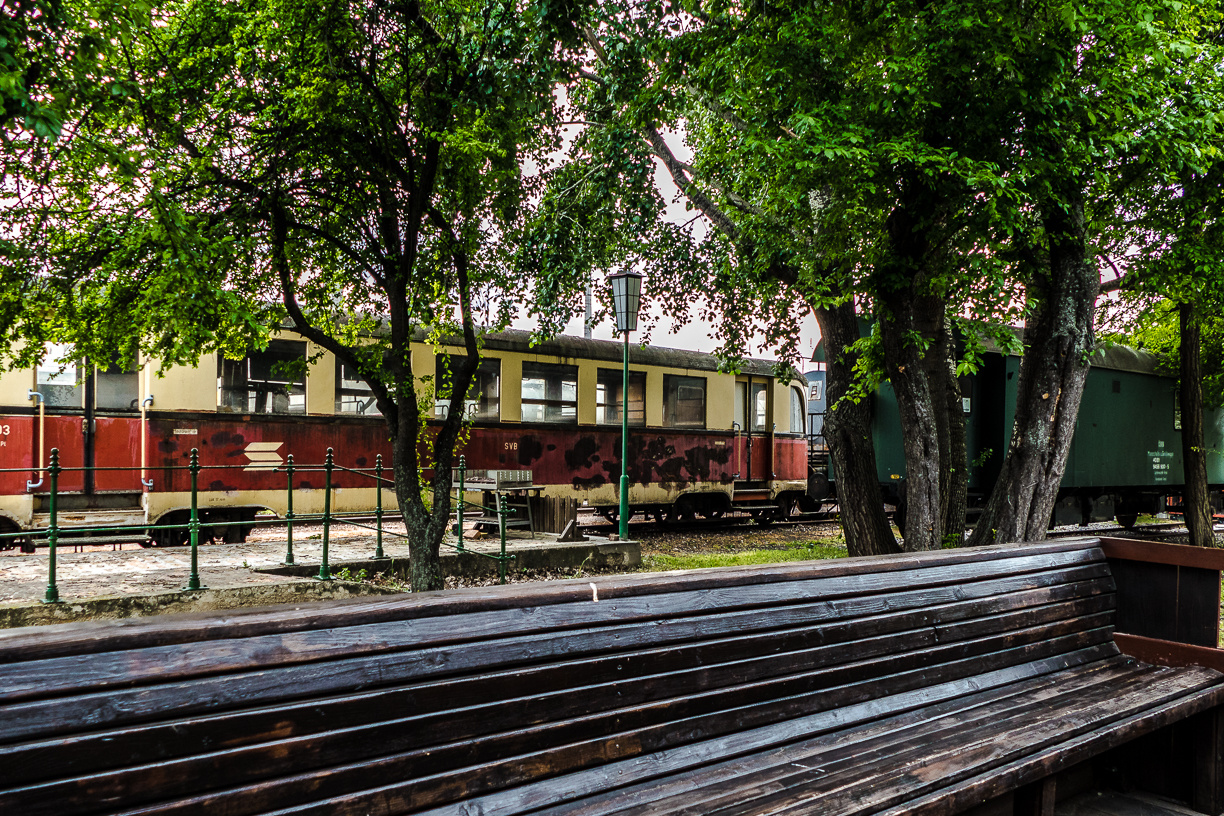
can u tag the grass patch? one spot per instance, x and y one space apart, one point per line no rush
809 551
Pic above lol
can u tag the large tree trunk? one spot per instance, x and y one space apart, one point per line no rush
847 431
1198 503
1058 341
954 476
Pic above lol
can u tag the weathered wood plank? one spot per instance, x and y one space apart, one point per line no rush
540 693
98 709
32 679
699 700
84 638
400 797
831 754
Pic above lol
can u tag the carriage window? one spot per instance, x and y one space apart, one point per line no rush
353 394
59 378
484 397
609 397
272 381
550 393
684 401
752 404
118 388
798 410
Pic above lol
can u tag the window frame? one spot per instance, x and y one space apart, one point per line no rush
672 383
487 407
564 375
264 393
616 377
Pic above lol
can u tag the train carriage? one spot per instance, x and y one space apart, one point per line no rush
701 441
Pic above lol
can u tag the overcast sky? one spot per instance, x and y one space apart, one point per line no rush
696 335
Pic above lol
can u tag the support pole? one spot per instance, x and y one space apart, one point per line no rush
624 480
52 529
378 511
459 504
193 580
501 527
289 511
328 464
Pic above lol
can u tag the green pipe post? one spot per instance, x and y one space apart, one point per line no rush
52 529
328 464
289 512
501 526
193 581
624 480
378 513
460 505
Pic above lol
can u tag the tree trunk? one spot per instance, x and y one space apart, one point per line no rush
847 431
1058 341
1198 503
913 330
954 478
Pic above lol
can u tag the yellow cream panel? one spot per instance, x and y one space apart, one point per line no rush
15 387
185 388
320 382
720 400
588 373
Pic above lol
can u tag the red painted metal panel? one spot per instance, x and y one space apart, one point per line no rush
64 432
18 444
240 454
117 444
790 458
586 457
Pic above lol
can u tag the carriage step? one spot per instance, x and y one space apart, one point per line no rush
92 519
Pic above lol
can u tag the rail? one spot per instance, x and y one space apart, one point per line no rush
54 531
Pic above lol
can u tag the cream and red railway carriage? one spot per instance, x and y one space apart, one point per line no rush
701 441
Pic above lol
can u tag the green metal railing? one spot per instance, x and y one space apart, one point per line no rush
53 533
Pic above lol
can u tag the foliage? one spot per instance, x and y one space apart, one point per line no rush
366 173
1154 327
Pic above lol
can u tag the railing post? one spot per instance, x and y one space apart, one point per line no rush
460 505
378 511
328 464
501 527
193 580
52 529
289 511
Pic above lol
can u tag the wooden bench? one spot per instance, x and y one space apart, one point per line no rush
956 681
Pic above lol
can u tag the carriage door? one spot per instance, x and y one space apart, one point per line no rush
751 416
113 431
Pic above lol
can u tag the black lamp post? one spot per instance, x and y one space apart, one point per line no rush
626 300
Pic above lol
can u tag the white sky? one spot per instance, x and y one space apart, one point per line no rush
696 335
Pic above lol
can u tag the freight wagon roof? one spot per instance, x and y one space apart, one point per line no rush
613 352
1113 357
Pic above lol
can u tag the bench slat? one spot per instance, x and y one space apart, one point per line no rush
706 781
395 797
568 717
827 762
33 679
99 709
140 633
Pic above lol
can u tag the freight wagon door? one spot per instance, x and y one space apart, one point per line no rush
753 442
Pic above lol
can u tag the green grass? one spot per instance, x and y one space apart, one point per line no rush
801 552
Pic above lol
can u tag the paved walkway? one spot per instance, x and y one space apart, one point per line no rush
134 570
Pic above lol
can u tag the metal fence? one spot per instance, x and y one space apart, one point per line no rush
51 535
